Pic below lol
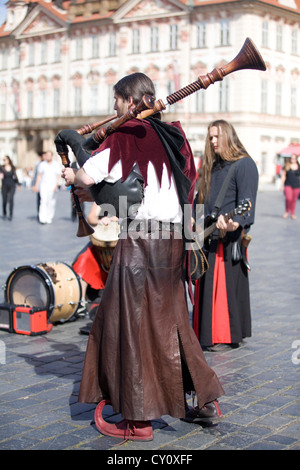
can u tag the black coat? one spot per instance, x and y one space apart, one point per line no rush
233 282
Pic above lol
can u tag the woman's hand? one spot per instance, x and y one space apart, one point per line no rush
224 227
107 220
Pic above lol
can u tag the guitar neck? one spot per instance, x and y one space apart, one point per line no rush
209 230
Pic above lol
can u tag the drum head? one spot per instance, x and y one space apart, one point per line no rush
106 235
29 286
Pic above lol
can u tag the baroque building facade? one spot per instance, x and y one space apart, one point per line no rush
60 59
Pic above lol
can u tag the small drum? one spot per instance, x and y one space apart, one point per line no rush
53 286
104 239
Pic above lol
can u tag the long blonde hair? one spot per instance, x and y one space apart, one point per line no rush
288 162
231 151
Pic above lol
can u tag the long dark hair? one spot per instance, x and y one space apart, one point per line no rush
136 85
232 150
10 163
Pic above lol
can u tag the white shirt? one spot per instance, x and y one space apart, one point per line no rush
49 171
159 202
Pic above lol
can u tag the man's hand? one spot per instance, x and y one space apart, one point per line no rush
68 174
77 177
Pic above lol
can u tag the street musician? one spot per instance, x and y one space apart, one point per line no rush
142 354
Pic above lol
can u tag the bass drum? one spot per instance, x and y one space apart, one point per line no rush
54 287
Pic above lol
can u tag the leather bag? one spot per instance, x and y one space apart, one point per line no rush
198 262
122 195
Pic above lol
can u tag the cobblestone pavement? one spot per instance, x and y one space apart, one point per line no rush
40 375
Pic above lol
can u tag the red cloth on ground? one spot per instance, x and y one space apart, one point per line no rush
89 269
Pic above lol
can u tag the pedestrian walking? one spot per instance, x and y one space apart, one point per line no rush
33 182
290 181
10 180
47 183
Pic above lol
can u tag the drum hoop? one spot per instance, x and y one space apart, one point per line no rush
43 274
39 270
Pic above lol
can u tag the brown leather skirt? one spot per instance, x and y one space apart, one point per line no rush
142 353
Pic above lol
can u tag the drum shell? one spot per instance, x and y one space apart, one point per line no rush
52 286
104 253
104 240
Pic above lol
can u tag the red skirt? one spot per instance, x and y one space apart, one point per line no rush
222 300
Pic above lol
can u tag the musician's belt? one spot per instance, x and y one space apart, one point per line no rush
148 226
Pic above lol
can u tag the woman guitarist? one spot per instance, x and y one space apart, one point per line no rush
222 306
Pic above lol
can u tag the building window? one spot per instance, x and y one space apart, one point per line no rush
223 96
294 41
154 39
17 57
156 86
171 87
78 48
29 103
57 50
56 102
31 54
43 103
2 105
264 96
43 52
16 99
110 97
263 163
278 97
4 59
135 41
173 36
95 46
78 101
94 100
224 33
265 34
279 37
112 44
200 102
201 35
293 101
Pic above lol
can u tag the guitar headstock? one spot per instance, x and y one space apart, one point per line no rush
244 207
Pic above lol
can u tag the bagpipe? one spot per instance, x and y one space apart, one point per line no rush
248 58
